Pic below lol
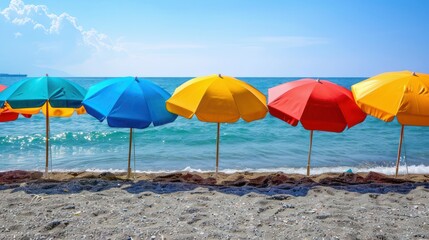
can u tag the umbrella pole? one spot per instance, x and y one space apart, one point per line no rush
399 150
129 154
217 148
47 140
309 153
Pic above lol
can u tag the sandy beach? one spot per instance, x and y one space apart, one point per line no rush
83 205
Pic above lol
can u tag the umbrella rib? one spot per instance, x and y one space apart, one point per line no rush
119 97
202 96
161 93
342 114
283 85
313 86
13 88
379 110
185 91
337 103
254 94
233 98
253 90
147 106
306 101
113 97
401 99
373 90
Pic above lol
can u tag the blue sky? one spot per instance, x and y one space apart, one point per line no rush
233 37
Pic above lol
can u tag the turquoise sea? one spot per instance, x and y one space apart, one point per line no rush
83 143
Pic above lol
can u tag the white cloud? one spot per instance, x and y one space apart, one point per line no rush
40 18
21 21
38 26
50 41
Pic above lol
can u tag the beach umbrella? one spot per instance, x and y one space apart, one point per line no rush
128 103
56 97
218 99
403 94
317 104
6 115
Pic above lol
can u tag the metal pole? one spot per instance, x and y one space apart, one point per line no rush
129 154
217 148
309 153
399 150
47 139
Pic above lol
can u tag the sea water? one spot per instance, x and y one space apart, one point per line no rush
83 143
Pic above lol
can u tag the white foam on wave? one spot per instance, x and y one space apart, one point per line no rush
413 169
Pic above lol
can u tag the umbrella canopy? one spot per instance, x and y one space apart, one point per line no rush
6 115
217 98
317 104
128 103
31 95
55 96
404 95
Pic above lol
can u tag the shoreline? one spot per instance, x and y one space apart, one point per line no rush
185 205
222 178
316 170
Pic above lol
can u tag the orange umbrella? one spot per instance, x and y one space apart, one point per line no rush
404 95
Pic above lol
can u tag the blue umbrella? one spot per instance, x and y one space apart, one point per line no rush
128 103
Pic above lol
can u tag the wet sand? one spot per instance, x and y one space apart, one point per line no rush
84 205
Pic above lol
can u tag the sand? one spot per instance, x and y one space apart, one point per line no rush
199 206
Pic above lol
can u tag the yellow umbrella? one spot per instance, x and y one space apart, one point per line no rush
402 94
218 98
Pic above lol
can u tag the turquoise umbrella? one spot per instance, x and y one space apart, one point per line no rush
56 97
128 103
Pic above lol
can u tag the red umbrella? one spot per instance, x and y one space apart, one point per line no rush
317 104
6 115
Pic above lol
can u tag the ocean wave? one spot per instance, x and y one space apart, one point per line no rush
65 137
413 169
